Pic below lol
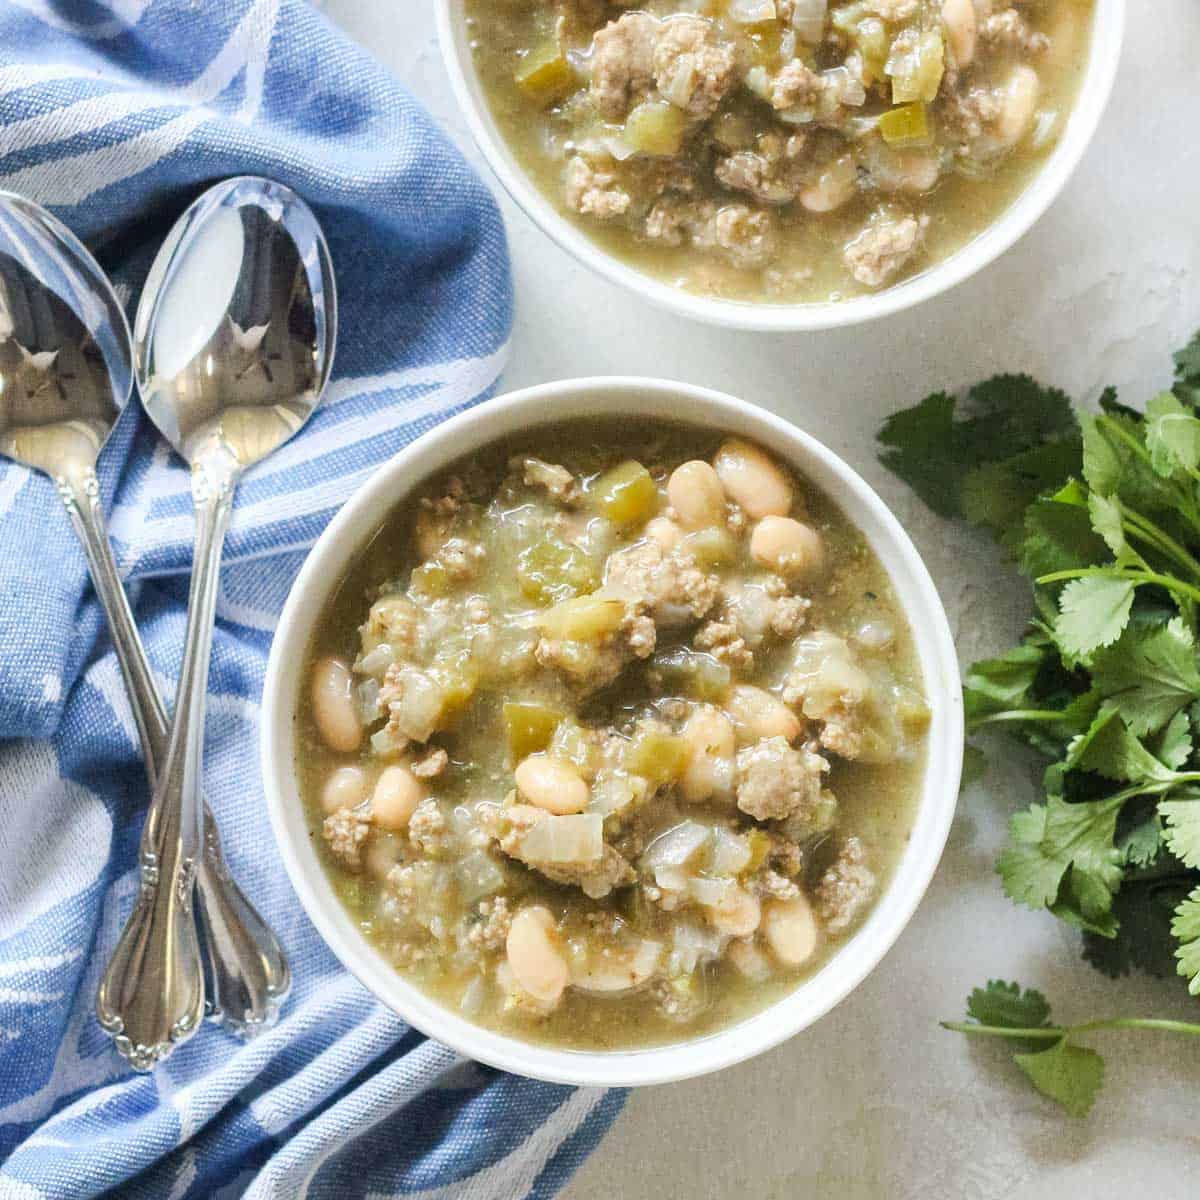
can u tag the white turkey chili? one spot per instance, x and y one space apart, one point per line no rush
781 150
612 743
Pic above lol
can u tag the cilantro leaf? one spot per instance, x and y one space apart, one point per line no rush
1172 435
1149 674
1117 463
1143 909
1058 537
1093 612
1107 521
995 495
1173 747
1048 841
934 446
1070 1075
997 684
1109 749
1140 832
1183 828
974 766
1186 928
1187 371
1005 1005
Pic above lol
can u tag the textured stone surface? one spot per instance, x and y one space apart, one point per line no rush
875 1101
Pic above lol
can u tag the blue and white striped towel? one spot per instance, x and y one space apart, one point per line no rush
116 116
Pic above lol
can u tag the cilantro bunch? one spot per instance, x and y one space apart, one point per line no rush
1101 511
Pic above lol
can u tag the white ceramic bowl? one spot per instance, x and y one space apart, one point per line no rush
628 401
1107 36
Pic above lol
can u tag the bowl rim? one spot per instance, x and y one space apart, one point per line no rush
1108 32
350 531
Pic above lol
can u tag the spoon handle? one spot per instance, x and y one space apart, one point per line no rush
245 968
152 995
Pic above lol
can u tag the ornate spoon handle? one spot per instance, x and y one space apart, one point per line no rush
152 994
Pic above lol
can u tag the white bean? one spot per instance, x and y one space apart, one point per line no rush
961 27
334 710
1019 99
758 714
665 532
534 956
552 784
791 930
751 480
696 495
749 960
711 743
835 186
740 918
787 547
396 796
345 788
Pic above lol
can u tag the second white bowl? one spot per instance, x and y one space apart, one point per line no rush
1107 35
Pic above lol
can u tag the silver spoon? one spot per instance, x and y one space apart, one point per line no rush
233 344
65 374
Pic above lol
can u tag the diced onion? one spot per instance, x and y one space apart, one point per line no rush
750 12
474 994
618 147
417 711
693 944
677 846
387 741
376 662
730 853
808 19
1044 128
713 893
577 838
680 85
478 875
367 695
758 81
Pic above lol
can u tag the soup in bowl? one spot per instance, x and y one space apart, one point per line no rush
605 735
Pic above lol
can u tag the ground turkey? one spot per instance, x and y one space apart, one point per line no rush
884 246
775 781
488 932
845 887
427 828
690 68
593 192
622 64
770 173
666 584
345 831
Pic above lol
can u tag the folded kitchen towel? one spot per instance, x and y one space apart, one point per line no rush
116 115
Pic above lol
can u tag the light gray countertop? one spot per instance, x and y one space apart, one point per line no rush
875 1102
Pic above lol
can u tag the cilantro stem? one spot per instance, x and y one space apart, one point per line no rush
1188 510
1169 582
1023 714
1054 1032
1150 533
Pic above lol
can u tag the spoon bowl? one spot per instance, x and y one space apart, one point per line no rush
234 335
66 368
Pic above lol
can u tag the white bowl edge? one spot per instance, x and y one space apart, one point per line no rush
517 412
1107 37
